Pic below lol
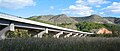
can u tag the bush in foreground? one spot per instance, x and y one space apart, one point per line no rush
62 44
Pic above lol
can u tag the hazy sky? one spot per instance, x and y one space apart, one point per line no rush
26 8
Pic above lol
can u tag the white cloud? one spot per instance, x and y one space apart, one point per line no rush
101 13
84 7
16 4
98 1
51 7
114 8
80 10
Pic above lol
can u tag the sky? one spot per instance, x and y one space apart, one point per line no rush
80 8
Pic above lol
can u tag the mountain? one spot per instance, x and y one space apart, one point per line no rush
113 19
43 17
117 21
93 18
61 20
57 19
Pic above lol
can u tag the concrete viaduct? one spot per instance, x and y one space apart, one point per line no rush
11 22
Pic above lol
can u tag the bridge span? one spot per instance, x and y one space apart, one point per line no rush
11 22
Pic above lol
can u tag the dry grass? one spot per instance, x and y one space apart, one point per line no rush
62 44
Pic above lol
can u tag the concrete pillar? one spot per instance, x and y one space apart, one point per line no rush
40 35
8 28
80 35
12 27
58 34
85 35
68 35
75 35
46 30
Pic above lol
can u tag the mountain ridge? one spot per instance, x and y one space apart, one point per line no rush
93 18
62 18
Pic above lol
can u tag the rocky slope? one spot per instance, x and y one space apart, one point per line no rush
62 18
93 18
57 19
113 19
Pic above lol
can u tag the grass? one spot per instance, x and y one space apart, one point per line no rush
61 44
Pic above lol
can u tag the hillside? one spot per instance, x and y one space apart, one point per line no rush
59 20
93 18
113 19
56 19
62 18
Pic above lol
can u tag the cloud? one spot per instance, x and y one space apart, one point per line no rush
98 1
114 8
16 4
101 13
51 7
80 10
84 7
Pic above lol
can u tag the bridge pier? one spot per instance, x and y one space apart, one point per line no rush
80 35
85 35
58 34
75 35
40 34
68 35
4 30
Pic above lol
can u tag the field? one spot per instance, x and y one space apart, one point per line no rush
61 44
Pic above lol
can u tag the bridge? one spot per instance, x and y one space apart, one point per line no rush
10 23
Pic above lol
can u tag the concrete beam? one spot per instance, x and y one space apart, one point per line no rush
8 28
80 35
58 34
68 35
75 35
40 35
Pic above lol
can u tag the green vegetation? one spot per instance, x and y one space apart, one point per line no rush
18 33
64 24
66 44
87 26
